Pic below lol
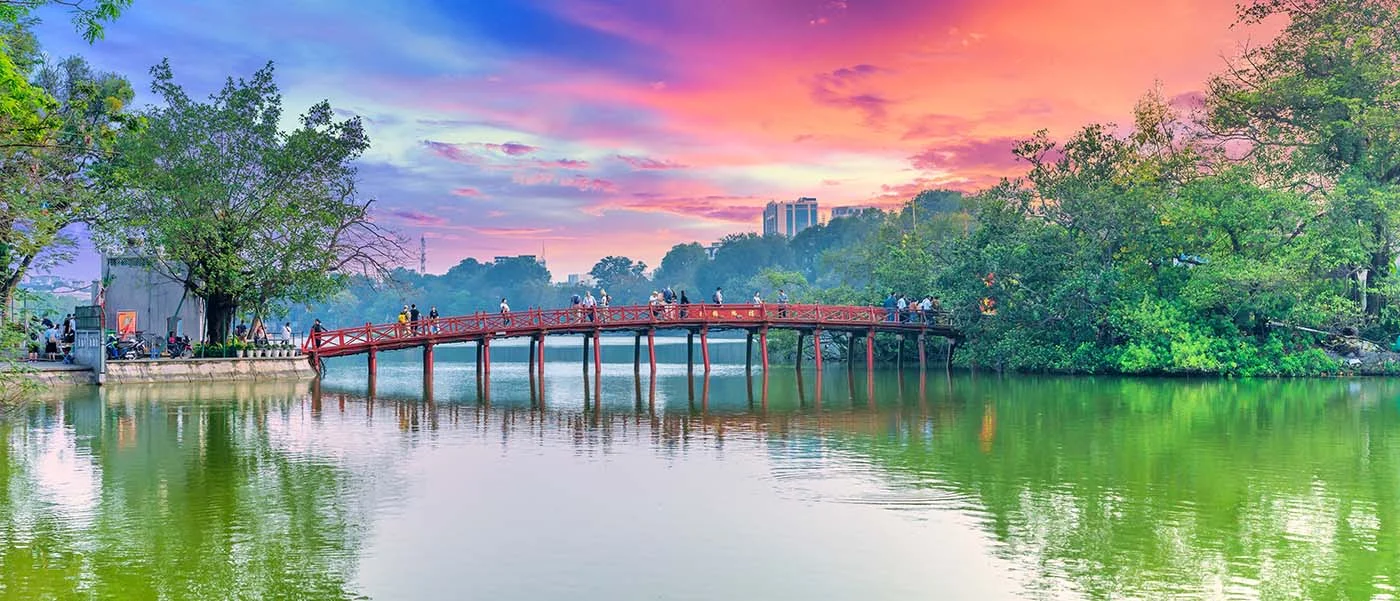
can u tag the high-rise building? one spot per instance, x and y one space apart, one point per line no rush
789 217
839 212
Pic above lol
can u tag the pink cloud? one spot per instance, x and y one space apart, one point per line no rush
831 182
468 192
563 164
647 163
514 149
419 219
992 153
588 184
451 152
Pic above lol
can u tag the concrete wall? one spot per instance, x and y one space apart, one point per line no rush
134 286
206 370
88 349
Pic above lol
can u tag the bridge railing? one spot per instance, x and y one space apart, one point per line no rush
532 321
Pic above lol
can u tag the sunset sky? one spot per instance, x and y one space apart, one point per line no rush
590 127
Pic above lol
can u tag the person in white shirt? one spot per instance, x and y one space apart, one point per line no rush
590 305
505 310
757 300
287 332
718 297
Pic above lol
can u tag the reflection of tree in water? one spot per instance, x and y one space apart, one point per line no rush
195 504
1168 489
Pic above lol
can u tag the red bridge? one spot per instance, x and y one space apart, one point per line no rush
695 319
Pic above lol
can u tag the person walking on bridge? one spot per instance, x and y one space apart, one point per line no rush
316 330
684 303
782 303
718 297
590 305
505 310
433 319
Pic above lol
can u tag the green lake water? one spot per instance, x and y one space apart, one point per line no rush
969 487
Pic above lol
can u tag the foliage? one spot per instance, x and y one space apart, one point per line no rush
56 127
241 212
16 383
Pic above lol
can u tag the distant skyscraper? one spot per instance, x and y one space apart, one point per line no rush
789 217
839 212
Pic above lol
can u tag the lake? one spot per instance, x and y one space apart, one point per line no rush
936 487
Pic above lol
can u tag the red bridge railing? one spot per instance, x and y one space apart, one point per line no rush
347 341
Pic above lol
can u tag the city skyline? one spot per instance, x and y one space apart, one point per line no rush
623 128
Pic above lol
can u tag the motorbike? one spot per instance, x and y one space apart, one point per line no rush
179 347
134 348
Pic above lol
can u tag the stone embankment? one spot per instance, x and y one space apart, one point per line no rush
206 370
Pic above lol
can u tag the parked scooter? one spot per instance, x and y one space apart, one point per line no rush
127 349
179 347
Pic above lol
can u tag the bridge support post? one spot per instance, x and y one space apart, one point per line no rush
637 353
952 347
480 369
531 359
922 343
539 348
585 353
763 351
486 367
817 352
851 351
651 350
705 348
597 355
748 353
690 351
428 367
899 355
801 340
870 351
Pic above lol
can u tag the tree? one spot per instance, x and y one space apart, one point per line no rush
1317 110
680 265
242 213
57 121
90 19
623 278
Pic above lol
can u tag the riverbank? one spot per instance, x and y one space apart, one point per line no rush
160 371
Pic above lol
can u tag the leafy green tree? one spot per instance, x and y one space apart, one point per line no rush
241 212
624 279
681 264
47 183
1315 110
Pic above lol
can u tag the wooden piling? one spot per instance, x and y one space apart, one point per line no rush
597 355
801 340
651 349
817 351
428 366
763 349
748 353
705 349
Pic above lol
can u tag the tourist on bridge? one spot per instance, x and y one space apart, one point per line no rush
890 303
903 306
684 302
605 298
590 305
576 308
718 297
316 330
757 300
782 303
654 304
926 308
402 321
433 319
413 317
505 310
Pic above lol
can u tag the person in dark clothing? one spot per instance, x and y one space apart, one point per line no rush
433 320
684 302
413 316
316 328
